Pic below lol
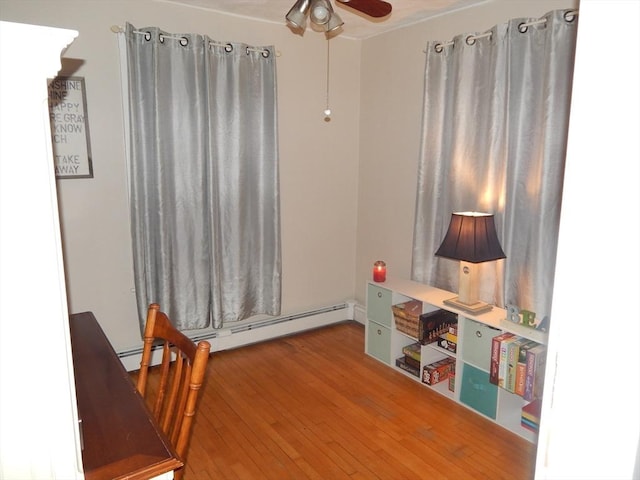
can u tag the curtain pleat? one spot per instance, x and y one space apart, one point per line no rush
203 172
495 124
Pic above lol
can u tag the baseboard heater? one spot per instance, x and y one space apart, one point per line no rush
245 333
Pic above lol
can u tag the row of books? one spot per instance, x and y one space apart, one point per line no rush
410 361
530 418
517 365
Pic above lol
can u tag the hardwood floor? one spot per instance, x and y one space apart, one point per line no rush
314 406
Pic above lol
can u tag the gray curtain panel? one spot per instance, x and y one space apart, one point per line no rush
495 124
204 184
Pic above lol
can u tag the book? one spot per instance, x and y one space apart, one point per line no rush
402 364
412 362
534 379
530 418
521 367
521 373
495 356
413 351
513 356
503 366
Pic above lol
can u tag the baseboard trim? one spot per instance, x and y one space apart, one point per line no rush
246 333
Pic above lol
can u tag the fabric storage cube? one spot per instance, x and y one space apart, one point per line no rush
477 392
379 305
477 343
379 342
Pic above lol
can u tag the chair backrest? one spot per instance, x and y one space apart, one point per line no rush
181 375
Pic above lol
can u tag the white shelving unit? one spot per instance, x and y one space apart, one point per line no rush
473 353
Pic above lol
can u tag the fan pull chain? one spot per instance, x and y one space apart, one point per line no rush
327 111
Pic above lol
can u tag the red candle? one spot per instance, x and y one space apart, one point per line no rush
379 271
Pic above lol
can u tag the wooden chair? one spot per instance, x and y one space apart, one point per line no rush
181 375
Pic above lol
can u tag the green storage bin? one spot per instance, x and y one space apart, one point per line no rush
477 343
379 342
379 305
477 392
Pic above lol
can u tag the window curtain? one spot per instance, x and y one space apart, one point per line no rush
495 123
203 177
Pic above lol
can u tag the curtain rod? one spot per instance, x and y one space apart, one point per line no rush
184 41
569 16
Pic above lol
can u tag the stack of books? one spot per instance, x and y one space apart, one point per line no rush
410 361
518 365
531 415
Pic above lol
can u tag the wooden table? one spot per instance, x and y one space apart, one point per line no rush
120 436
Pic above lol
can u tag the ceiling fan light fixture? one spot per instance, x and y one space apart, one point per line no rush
297 16
321 12
335 22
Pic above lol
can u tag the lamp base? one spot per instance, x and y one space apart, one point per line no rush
475 308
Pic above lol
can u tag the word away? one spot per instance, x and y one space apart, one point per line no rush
67 164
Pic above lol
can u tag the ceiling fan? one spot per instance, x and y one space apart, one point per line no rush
322 15
370 8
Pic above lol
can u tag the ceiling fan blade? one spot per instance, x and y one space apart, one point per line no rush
371 8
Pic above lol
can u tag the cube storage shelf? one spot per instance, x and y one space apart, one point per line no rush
473 353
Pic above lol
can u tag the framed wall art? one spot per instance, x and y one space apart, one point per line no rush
69 127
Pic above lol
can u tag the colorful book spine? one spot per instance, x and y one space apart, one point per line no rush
513 352
412 362
402 364
521 367
503 367
495 357
413 351
536 359
517 354
530 418
521 374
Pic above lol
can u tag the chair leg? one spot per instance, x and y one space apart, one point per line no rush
178 474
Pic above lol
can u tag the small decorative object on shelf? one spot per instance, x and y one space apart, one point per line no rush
407 317
526 318
379 271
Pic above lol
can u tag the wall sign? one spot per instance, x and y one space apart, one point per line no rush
69 127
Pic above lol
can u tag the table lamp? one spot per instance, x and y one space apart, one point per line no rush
472 239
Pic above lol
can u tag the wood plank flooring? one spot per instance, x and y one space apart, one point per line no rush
314 406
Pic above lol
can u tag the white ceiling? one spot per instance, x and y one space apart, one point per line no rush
405 12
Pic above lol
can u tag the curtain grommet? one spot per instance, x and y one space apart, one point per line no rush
522 28
228 48
470 40
569 16
184 41
438 47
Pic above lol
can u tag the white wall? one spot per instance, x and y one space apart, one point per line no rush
318 160
591 415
